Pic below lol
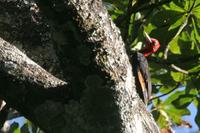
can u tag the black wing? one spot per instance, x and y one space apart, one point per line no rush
142 74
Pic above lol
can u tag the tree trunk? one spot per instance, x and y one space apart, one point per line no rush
77 42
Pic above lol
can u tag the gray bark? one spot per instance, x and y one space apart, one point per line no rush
108 102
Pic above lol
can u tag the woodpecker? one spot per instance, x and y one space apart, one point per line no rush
141 70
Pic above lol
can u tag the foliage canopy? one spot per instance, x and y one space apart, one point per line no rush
175 23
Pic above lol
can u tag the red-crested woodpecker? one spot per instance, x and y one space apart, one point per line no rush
141 70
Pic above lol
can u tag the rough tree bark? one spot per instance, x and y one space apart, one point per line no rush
99 95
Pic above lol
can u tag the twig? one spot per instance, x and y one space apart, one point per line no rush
179 69
169 64
177 34
156 97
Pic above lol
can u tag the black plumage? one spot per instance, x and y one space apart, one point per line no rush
142 76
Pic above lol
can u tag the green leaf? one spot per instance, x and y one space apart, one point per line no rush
197 3
174 7
165 89
183 101
196 68
25 128
165 18
174 47
184 36
196 101
156 102
178 23
131 25
187 5
196 11
187 46
156 114
177 76
17 130
192 86
197 120
176 114
14 128
195 36
165 114
163 74
173 97
149 28
193 83
163 119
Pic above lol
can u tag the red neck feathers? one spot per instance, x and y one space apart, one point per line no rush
151 47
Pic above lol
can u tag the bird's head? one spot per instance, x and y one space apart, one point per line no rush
152 45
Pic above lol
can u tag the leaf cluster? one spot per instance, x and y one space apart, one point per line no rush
175 68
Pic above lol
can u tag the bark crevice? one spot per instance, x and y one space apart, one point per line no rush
108 101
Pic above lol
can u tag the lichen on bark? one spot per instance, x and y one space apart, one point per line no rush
100 95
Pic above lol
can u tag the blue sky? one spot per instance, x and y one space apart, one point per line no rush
191 120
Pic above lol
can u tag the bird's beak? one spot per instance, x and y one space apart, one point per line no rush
147 37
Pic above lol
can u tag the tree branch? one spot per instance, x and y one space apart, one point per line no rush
110 104
16 64
162 95
112 60
25 86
